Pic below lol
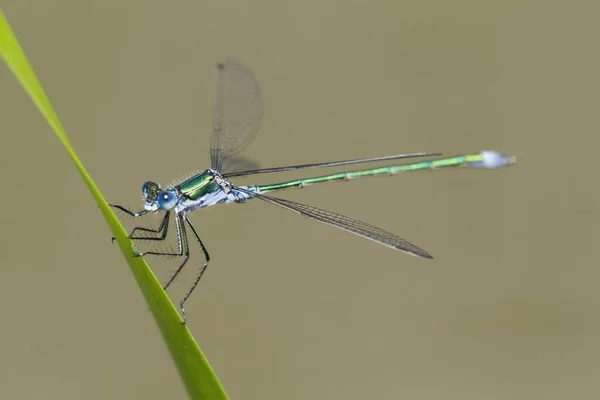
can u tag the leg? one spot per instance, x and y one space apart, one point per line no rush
207 260
163 227
126 211
182 243
164 224
184 247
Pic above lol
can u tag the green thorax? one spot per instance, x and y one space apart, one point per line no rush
197 186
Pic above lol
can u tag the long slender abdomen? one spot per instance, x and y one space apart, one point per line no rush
483 160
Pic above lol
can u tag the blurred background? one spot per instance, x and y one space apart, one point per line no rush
292 309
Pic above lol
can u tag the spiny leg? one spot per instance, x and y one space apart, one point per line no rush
184 247
163 227
207 260
128 212
182 243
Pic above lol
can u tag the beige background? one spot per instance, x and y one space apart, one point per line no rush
290 309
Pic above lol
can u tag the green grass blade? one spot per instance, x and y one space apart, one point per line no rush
195 371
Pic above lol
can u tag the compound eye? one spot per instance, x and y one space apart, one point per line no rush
150 190
167 200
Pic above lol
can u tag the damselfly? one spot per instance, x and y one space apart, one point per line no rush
237 115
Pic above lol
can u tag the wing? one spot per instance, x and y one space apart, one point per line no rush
346 223
237 112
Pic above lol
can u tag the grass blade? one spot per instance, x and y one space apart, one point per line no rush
195 371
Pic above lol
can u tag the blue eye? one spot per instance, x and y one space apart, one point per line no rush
167 200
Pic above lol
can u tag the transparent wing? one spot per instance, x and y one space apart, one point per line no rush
351 225
238 163
237 112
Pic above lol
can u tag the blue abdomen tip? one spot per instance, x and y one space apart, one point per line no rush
493 159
